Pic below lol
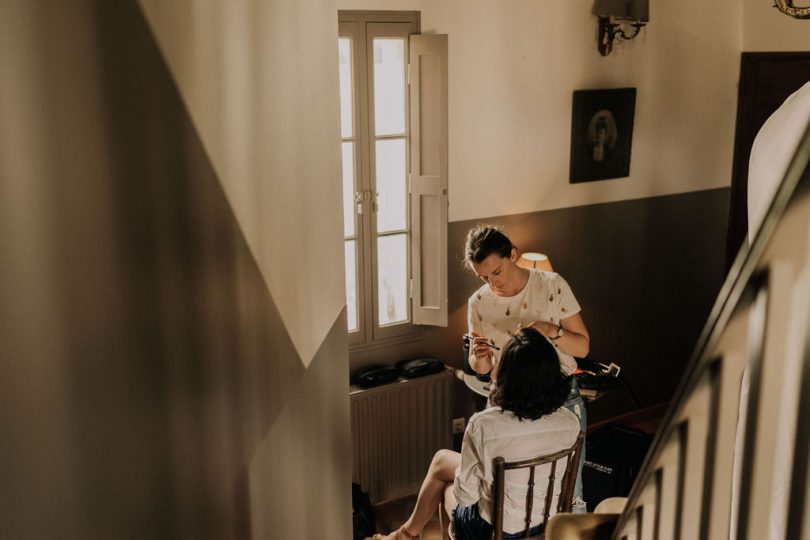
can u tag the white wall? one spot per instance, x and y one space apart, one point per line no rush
514 66
767 29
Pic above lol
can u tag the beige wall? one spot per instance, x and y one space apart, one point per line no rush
155 380
766 29
514 66
254 75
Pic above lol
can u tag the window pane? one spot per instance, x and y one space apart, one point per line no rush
389 86
392 278
345 59
391 187
351 285
348 189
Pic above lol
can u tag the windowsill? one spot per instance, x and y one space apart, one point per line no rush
413 336
390 350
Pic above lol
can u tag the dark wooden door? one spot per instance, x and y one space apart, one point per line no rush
766 80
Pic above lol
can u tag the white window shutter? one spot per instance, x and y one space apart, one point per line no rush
428 178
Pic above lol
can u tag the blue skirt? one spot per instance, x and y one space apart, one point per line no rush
469 525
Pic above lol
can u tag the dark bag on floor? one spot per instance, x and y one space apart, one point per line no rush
613 456
362 514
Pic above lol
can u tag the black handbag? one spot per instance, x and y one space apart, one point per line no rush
375 375
419 367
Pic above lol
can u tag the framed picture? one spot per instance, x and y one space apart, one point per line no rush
602 134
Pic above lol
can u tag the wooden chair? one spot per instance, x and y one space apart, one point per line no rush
565 500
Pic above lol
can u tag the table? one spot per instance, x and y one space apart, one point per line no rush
471 381
482 388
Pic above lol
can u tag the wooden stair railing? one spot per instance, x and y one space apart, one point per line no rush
730 459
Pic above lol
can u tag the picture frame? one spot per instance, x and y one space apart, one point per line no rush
601 134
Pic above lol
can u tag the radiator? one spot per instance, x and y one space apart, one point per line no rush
396 429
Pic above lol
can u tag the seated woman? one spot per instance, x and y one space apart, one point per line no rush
527 420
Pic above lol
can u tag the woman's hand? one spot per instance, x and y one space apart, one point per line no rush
480 346
480 353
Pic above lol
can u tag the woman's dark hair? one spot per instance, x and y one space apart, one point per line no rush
530 381
483 241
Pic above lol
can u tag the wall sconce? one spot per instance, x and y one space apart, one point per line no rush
531 259
620 19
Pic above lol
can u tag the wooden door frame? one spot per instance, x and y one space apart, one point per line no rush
749 123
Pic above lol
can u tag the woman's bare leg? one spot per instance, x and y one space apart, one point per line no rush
442 471
448 504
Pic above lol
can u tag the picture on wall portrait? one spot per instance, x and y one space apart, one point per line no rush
602 134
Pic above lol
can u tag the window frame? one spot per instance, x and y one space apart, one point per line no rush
361 28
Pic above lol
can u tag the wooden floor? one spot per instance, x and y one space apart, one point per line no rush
646 419
391 514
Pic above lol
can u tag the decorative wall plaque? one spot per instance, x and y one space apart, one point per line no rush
787 7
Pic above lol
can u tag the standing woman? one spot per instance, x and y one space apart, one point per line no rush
513 297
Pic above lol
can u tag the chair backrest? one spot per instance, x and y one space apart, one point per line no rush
565 500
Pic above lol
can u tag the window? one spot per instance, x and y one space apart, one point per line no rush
395 221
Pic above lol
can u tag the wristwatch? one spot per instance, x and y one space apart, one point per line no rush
560 333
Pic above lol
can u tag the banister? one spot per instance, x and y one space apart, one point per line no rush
739 288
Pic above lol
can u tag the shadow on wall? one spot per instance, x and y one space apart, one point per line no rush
148 375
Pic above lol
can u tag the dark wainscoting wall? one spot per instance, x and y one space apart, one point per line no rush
646 273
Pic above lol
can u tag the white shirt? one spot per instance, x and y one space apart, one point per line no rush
494 433
546 297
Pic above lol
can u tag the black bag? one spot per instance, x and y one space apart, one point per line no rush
362 514
613 456
419 367
600 381
375 375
